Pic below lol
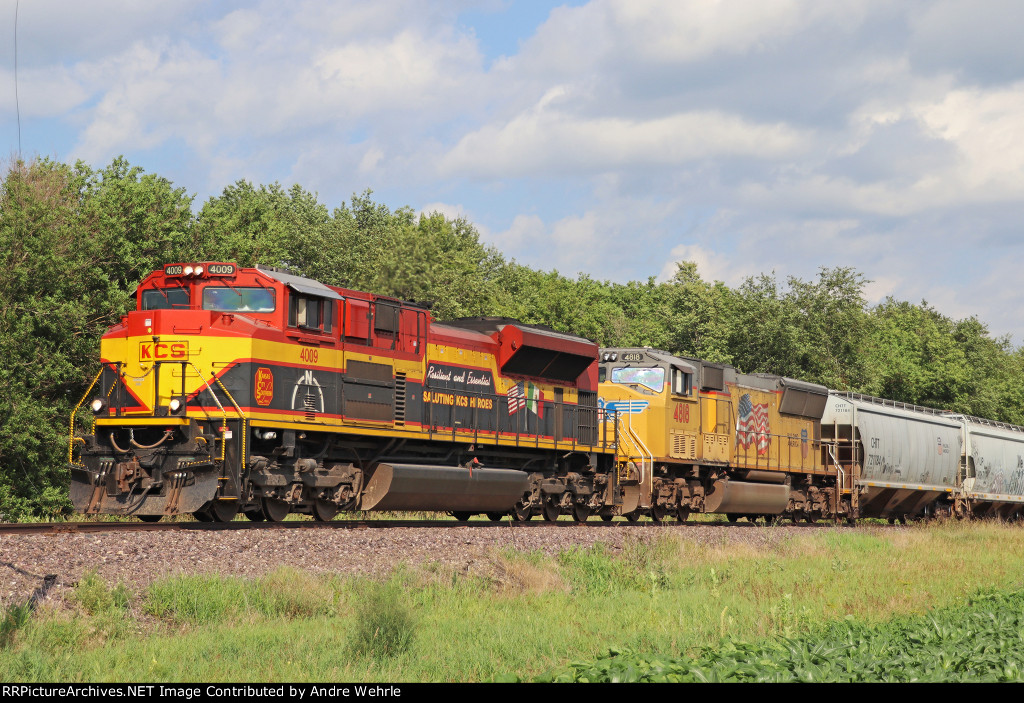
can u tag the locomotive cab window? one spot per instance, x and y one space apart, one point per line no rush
310 313
682 382
166 299
647 377
238 299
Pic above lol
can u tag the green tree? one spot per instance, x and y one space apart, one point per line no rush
73 244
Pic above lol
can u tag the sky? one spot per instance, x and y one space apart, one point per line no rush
613 138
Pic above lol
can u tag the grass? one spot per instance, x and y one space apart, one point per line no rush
976 641
529 615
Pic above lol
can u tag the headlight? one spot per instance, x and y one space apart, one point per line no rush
174 405
199 270
97 405
188 271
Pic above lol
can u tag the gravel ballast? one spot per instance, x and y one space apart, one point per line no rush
138 558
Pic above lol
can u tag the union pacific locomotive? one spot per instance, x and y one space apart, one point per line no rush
234 390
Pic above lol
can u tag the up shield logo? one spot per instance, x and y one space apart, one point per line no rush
264 383
162 351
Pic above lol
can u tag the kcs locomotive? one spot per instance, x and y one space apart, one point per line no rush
257 391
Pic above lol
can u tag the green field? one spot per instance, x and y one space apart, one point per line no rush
827 604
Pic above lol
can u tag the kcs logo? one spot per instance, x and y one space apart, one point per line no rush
264 383
148 351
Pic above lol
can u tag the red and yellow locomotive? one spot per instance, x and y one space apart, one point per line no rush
233 390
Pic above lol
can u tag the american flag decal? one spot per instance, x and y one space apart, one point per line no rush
516 398
752 425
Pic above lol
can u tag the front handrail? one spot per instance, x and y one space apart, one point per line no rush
71 426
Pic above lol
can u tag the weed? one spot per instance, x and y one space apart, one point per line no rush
529 573
291 593
96 597
15 618
384 623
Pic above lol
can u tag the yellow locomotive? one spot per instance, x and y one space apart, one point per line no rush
702 437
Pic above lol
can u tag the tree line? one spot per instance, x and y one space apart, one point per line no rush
75 242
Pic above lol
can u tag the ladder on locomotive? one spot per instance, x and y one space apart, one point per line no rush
634 461
840 456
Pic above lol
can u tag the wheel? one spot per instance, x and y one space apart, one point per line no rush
275 510
203 515
810 518
150 518
522 512
633 516
495 517
659 512
682 514
223 510
580 513
461 516
256 514
324 510
607 517
551 510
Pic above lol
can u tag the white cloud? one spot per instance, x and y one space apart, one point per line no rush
155 93
40 92
450 211
987 127
370 159
711 265
610 35
544 141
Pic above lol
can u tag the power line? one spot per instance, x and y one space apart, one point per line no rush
17 103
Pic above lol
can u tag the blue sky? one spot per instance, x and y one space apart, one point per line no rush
607 137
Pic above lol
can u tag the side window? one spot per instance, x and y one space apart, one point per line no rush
386 324
682 382
385 319
310 313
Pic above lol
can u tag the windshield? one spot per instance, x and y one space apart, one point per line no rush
165 299
235 299
653 378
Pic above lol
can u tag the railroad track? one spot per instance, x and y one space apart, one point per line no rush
59 528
